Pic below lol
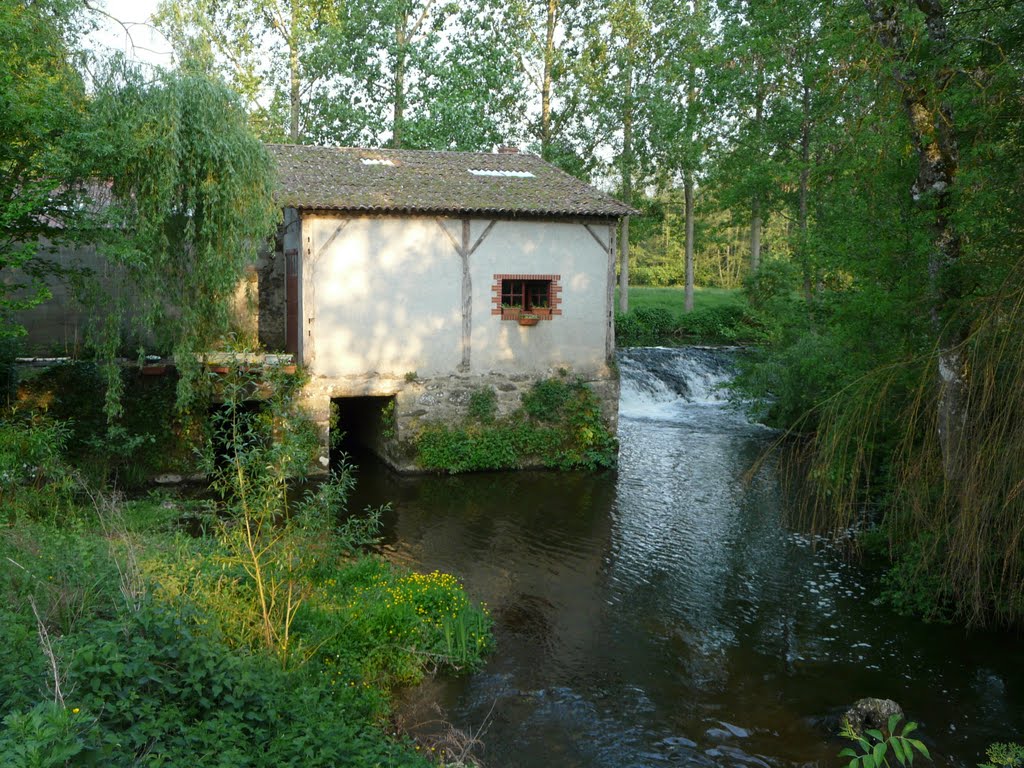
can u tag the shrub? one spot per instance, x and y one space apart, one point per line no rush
1004 755
144 440
728 323
9 350
775 279
546 399
873 747
483 404
35 480
559 426
722 324
157 687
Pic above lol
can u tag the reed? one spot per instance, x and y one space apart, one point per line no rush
874 459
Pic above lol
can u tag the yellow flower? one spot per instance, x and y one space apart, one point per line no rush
75 711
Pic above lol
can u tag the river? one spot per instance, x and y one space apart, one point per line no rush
664 614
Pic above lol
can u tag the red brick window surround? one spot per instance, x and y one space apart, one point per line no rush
512 295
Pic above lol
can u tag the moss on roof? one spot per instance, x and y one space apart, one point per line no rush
414 181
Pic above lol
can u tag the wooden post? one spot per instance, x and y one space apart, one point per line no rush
624 267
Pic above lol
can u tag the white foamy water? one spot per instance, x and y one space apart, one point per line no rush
661 384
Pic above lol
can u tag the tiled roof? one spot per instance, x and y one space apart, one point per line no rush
351 179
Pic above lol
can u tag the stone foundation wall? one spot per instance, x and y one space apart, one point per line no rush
436 399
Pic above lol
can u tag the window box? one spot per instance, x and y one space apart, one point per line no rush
528 318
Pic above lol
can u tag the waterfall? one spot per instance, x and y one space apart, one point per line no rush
657 383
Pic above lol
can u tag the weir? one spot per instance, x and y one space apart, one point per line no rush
656 382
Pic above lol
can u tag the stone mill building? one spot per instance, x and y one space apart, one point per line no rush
405 280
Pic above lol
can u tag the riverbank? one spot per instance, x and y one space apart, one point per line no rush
247 626
657 317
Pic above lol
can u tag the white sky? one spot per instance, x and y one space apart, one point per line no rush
150 47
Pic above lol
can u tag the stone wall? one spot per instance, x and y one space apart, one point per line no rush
419 401
270 308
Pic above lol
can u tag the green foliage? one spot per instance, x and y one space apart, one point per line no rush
46 736
547 398
723 324
128 642
262 446
9 350
775 280
194 188
657 317
146 438
874 747
157 687
559 426
483 404
1004 755
41 194
388 419
914 586
35 479
380 625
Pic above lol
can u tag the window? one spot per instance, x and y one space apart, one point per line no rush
537 294
526 294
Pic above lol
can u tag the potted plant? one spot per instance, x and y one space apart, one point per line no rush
528 318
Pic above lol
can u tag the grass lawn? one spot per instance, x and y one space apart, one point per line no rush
673 299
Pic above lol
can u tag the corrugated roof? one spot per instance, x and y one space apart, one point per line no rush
415 181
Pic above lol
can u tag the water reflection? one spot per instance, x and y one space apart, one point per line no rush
664 615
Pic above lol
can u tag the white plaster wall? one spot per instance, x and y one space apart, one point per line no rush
576 338
383 296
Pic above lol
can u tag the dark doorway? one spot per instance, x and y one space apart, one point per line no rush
362 424
291 283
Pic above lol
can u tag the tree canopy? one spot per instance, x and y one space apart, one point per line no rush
857 165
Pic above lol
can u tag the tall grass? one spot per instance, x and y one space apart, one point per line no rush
875 458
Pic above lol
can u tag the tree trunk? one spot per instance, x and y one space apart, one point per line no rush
399 83
688 203
627 188
755 234
624 266
932 132
545 92
805 179
755 203
294 80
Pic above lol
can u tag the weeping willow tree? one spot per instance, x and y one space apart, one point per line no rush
191 191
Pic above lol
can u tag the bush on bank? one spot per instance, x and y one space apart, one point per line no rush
558 426
657 326
245 630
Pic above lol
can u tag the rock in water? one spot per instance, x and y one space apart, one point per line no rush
871 713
